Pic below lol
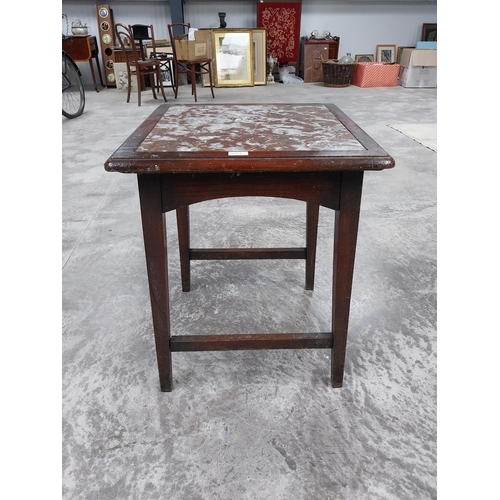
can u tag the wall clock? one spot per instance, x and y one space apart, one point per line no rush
103 12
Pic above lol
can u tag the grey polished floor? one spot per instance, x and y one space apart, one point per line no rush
255 424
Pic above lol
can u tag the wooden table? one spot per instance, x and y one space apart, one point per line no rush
185 154
82 49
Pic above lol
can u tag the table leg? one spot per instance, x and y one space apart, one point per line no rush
155 244
99 70
346 232
193 82
183 231
93 75
175 81
312 216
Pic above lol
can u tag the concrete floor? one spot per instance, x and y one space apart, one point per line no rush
254 424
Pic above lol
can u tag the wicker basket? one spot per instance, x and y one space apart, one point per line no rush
337 74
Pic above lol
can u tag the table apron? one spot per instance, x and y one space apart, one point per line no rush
179 190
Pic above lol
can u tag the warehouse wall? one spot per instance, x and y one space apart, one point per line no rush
360 24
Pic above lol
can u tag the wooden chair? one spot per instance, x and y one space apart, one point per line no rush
136 66
145 32
185 66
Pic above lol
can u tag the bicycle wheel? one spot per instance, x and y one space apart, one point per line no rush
73 94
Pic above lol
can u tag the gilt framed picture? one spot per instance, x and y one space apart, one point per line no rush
259 38
233 55
386 53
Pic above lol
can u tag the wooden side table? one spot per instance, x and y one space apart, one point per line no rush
185 154
82 49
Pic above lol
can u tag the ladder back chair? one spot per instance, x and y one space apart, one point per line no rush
136 65
150 50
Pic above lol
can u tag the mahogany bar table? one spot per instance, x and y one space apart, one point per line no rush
185 154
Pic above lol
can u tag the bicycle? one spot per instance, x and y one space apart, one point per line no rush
73 93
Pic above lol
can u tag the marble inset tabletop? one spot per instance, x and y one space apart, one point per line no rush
239 129
248 138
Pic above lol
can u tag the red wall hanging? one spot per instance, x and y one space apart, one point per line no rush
282 21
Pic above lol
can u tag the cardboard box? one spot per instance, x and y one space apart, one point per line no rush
193 49
418 68
375 74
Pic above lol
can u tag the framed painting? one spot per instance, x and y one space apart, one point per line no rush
429 32
364 58
164 52
386 53
233 56
259 38
165 74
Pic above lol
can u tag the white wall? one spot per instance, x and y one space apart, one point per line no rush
126 12
360 24
205 14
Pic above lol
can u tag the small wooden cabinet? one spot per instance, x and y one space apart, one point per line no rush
82 49
312 54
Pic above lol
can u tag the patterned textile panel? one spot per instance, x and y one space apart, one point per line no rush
282 20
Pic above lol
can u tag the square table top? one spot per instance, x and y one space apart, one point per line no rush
248 137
